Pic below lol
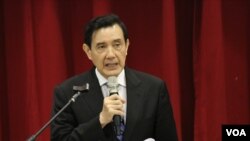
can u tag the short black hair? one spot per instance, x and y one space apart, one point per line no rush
102 22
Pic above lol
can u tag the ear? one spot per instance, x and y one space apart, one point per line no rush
87 51
127 45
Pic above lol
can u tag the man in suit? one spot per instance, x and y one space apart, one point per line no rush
143 101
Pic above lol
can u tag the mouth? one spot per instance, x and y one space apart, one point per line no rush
111 65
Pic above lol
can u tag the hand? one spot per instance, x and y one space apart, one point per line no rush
112 105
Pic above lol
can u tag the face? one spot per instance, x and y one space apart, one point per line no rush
108 50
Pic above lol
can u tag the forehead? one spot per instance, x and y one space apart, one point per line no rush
109 33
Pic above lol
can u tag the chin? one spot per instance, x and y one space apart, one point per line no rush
113 73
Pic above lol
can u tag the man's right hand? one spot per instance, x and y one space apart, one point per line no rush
112 105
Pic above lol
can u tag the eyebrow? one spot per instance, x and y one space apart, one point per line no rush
100 43
117 40
103 43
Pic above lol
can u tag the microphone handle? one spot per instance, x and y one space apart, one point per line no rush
117 124
33 137
116 119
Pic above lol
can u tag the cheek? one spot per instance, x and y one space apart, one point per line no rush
98 59
123 58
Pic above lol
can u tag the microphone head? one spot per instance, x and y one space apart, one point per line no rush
112 85
112 82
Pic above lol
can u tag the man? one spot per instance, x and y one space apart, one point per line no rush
143 102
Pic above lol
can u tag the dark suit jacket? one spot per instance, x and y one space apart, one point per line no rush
149 112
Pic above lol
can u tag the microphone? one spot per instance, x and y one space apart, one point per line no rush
78 90
113 89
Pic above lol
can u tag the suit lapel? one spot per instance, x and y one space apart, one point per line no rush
94 97
134 98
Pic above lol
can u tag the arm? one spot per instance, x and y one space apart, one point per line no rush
66 127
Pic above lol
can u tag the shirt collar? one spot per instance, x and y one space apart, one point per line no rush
120 79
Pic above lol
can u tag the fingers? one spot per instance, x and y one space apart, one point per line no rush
116 112
115 97
110 102
116 109
112 105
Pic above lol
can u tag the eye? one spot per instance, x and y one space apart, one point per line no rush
100 46
117 45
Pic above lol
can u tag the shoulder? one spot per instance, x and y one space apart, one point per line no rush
143 76
149 84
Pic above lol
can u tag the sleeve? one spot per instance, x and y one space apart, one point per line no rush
66 128
165 123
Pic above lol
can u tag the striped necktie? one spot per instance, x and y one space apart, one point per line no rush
122 125
122 128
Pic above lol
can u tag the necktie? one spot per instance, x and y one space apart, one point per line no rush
122 125
122 128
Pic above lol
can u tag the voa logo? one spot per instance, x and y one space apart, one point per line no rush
236 132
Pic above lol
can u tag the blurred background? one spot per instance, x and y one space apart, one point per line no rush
200 48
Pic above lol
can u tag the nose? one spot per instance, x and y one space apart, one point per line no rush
110 52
